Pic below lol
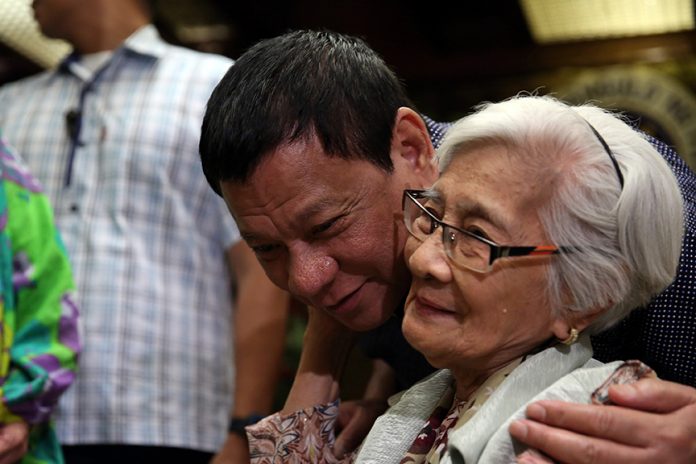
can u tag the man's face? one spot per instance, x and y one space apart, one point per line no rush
54 16
328 230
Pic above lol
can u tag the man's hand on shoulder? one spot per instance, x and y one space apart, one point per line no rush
654 421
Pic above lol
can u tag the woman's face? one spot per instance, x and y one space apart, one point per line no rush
472 322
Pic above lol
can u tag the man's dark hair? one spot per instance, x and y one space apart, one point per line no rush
292 87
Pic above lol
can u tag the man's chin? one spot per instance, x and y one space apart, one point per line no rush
363 322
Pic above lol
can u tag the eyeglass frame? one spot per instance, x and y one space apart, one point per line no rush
496 251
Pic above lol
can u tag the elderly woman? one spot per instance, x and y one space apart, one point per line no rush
548 223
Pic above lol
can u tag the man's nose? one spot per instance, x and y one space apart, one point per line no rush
309 273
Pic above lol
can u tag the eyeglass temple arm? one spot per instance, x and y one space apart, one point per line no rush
504 251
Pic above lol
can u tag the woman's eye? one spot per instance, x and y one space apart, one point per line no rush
424 224
477 231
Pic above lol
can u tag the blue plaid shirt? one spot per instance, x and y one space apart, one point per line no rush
117 152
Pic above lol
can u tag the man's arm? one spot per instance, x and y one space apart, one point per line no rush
309 417
356 418
656 424
260 318
325 349
306 424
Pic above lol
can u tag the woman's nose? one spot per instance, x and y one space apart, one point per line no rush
428 258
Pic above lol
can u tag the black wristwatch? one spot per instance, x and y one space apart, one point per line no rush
237 424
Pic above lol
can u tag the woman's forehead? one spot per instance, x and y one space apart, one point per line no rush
488 184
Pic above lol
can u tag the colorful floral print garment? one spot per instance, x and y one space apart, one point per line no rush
39 337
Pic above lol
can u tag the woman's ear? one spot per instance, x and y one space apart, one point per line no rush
562 326
411 148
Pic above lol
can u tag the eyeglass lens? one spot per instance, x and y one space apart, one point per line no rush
463 249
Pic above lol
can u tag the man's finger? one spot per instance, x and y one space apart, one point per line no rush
653 395
607 422
572 448
531 456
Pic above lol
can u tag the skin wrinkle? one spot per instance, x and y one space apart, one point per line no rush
521 187
280 209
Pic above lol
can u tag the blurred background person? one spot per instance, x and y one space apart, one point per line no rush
40 339
113 134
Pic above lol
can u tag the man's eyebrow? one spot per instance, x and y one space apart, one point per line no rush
305 216
315 208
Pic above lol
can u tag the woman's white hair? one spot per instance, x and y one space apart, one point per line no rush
628 239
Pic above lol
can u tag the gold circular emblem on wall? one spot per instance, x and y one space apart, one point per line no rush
661 105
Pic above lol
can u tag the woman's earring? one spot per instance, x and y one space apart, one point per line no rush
572 338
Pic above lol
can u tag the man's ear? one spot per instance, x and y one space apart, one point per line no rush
411 147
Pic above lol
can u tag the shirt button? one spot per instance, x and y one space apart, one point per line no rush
74 208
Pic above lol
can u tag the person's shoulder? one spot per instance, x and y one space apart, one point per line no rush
436 129
686 178
430 388
13 169
26 85
204 59
684 174
193 67
578 385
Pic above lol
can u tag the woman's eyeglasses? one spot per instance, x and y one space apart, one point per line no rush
463 247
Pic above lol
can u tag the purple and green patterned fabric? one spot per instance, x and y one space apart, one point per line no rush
39 338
